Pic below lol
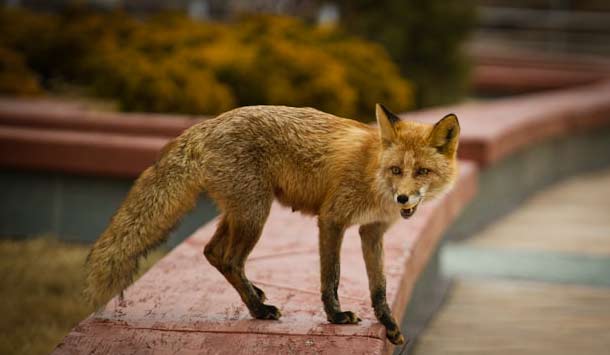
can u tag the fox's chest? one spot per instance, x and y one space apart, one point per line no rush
384 212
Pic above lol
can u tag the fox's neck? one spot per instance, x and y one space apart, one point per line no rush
373 173
365 180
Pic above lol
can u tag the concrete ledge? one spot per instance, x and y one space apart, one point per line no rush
62 116
508 72
493 130
88 153
508 79
184 304
490 131
505 184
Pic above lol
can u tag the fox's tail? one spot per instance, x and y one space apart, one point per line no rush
159 197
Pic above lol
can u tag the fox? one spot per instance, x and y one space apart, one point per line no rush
343 171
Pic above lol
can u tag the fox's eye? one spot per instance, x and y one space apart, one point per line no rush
422 171
396 170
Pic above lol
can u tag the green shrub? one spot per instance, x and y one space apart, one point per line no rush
169 63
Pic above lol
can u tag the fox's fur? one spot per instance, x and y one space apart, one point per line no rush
343 171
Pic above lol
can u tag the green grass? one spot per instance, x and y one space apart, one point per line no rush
41 281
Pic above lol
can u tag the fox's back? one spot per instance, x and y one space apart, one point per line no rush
293 150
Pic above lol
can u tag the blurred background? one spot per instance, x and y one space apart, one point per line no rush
174 62
138 54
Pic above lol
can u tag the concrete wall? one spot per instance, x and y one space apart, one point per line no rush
73 208
77 208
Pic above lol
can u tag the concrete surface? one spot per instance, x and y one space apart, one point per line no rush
184 296
534 282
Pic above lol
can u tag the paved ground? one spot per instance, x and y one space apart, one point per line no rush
535 282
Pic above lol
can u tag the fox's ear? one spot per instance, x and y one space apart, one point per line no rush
387 123
445 134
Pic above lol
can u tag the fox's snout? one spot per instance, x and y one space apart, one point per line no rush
409 199
408 203
402 199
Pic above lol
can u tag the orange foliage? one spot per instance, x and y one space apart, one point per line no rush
170 63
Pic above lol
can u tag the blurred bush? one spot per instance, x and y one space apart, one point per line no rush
15 76
169 63
423 37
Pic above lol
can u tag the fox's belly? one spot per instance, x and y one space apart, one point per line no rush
297 201
301 193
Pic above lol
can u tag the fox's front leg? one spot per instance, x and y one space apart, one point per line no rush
331 236
371 236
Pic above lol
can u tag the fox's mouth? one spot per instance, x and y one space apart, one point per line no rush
406 213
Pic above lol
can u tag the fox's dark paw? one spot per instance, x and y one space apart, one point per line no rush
346 317
267 312
261 295
394 336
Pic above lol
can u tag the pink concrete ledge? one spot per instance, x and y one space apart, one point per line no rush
183 305
498 78
63 116
520 71
492 130
33 136
90 153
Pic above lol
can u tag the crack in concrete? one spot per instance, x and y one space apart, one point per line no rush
112 324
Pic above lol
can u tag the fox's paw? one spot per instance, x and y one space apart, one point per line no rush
394 336
267 312
261 295
346 317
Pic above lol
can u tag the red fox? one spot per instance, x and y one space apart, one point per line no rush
341 170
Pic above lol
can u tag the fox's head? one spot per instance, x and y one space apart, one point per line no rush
417 160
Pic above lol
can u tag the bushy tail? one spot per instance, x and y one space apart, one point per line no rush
160 196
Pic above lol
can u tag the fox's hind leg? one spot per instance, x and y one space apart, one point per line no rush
234 239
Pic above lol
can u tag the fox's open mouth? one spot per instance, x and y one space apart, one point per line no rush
408 212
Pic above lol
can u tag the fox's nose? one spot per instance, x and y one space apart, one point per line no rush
402 199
